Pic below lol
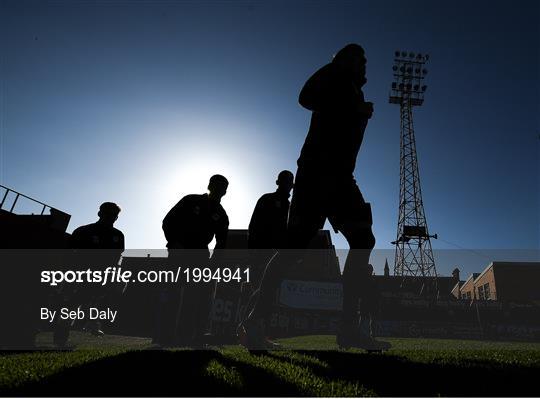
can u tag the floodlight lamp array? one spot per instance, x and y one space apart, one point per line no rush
409 72
411 56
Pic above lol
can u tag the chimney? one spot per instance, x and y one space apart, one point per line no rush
455 274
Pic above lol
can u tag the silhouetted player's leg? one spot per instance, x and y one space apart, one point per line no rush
255 336
305 219
357 273
299 238
206 295
351 215
259 260
194 308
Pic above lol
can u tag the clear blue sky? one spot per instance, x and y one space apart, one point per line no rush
140 102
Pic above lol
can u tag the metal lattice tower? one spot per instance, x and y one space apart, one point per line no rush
414 255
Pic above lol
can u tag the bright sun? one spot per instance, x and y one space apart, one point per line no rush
191 177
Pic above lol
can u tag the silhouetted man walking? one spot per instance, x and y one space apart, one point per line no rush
191 225
325 188
97 245
102 234
267 231
268 225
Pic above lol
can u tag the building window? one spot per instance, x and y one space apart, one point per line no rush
481 292
487 294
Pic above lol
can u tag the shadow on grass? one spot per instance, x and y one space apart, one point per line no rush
184 373
390 375
156 373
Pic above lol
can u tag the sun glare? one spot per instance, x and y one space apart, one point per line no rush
191 176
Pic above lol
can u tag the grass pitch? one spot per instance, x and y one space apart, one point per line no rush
307 366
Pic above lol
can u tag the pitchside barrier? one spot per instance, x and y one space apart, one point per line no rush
313 307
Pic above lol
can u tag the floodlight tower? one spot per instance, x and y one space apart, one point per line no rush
414 255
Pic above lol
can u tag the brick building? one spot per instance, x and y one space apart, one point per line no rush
503 281
467 289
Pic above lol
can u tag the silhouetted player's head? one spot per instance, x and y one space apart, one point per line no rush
352 59
217 187
108 213
285 181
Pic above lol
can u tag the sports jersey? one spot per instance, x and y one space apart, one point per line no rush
193 222
97 236
268 225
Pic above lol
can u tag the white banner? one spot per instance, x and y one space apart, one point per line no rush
311 295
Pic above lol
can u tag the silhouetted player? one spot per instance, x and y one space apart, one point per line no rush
267 230
268 224
192 224
102 234
99 245
325 188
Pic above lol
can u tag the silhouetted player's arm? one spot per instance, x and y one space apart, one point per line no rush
221 242
122 244
221 235
121 247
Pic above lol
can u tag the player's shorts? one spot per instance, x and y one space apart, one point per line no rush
318 196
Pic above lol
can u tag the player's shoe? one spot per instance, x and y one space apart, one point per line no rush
366 343
97 332
251 336
361 338
201 341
